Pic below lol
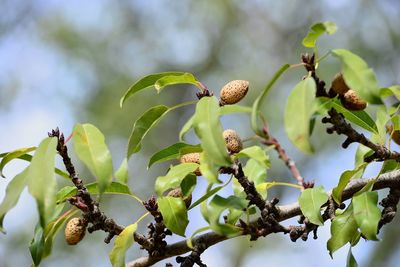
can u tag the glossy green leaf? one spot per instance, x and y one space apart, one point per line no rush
174 214
175 79
13 192
256 153
122 243
174 177
359 76
91 149
146 82
186 128
367 214
188 184
215 208
343 230
230 109
115 188
209 130
143 125
351 261
121 174
169 153
360 118
13 155
390 165
343 181
298 111
311 201
258 103
316 31
36 247
41 181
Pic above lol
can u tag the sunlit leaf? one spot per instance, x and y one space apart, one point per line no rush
90 147
174 177
189 240
143 125
208 194
390 91
316 31
209 130
13 192
208 168
311 201
343 181
174 214
256 153
298 111
13 155
115 188
121 174
175 79
343 230
146 82
359 76
258 103
367 214
186 128
41 180
229 109
122 243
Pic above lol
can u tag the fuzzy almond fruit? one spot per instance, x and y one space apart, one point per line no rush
177 192
232 141
339 86
192 158
352 101
234 91
75 231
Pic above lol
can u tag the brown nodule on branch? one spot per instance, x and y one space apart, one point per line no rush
340 126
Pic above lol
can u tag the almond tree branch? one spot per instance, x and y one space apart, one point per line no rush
387 180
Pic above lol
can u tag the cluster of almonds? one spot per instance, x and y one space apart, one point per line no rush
348 97
75 231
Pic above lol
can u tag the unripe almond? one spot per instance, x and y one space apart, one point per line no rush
75 231
232 140
352 101
339 86
192 158
234 91
177 192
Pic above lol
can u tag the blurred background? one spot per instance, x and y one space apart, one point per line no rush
63 62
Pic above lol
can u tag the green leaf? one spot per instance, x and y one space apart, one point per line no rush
208 128
169 153
13 191
390 91
186 128
258 103
13 155
343 230
142 126
229 109
122 243
189 240
343 181
121 174
208 194
256 173
367 214
360 118
175 79
174 177
256 153
144 83
90 147
208 168
390 165
311 201
216 206
359 76
351 261
316 31
115 188
382 117
298 111
174 214
41 181
36 247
